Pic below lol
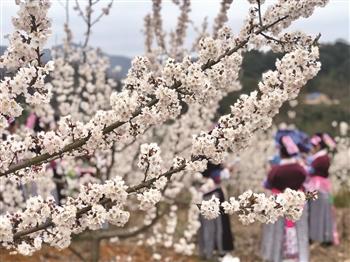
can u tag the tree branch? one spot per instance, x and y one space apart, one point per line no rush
146 184
229 52
81 142
259 12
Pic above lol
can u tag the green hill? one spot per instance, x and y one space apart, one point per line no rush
332 83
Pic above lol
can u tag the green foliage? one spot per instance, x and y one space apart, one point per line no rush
333 80
342 199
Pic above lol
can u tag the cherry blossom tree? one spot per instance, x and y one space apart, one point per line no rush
340 169
146 142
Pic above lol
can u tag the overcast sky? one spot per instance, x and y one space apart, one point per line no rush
120 33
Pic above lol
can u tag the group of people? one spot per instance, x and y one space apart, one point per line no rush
301 163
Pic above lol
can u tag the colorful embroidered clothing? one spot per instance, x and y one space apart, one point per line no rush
285 239
322 224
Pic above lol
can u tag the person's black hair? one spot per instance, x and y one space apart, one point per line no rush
37 128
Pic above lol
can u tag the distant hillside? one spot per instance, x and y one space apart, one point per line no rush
122 61
115 60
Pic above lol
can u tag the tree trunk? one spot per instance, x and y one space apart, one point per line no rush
95 250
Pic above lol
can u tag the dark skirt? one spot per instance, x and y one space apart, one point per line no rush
273 239
215 234
321 219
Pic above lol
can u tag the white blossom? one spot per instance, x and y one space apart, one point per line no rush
149 198
210 209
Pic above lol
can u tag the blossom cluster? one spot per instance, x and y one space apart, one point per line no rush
221 18
293 9
178 36
255 111
252 207
23 60
87 210
81 84
210 209
185 244
150 159
340 169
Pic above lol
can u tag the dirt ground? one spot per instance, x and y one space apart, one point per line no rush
247 248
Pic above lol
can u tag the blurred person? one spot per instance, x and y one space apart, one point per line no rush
321 211
300 139
215 234
286 240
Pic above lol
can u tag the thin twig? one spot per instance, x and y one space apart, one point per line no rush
259 12
88 26
81 13
272 38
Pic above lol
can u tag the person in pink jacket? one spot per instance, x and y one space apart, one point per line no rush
321 211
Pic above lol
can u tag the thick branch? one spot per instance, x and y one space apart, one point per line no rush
108 233
81 142
80 212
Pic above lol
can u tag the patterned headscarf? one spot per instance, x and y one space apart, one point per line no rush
324 140
290 146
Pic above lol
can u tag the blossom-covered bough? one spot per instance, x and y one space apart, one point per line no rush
165 99
22 61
